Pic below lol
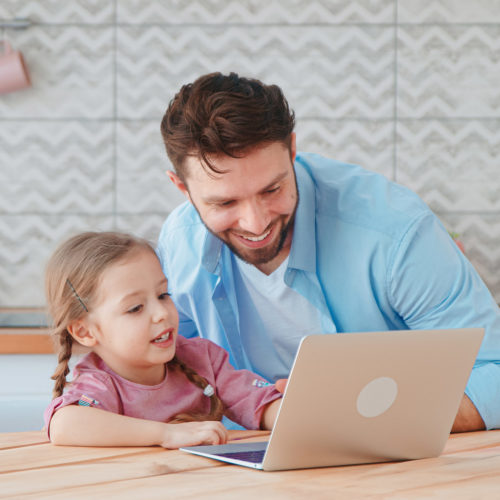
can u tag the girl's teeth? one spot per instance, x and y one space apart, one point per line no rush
162 338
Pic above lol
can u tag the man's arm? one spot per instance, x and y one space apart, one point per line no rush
468 418
433 286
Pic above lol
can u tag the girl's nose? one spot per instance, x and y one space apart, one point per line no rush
160 312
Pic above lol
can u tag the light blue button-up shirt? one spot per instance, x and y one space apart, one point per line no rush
366 252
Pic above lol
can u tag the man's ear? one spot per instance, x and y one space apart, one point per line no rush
179 184
81 332
293 146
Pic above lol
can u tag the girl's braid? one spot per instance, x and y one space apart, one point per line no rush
62 370
216 405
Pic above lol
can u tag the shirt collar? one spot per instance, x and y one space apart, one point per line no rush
303 249
212 249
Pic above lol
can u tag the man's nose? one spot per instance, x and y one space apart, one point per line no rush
254 217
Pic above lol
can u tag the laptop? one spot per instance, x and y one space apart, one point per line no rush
362 398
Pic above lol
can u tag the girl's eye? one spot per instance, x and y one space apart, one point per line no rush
164 296
135 309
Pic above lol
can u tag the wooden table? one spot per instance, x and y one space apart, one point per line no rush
30 467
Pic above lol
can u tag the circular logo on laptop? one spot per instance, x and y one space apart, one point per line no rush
377 397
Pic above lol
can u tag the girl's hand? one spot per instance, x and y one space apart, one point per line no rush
281 385
193 434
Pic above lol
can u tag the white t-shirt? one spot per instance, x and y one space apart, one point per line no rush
269 308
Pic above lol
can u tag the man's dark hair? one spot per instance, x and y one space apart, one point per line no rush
224 115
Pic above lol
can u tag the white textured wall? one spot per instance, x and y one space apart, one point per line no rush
402 88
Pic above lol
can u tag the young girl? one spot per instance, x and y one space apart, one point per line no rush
141 384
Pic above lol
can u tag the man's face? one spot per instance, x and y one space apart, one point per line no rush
251 206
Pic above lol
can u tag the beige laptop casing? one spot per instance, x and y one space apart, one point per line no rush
371 397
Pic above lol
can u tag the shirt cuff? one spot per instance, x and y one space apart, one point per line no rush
483 389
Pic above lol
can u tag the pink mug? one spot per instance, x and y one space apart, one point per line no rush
13 71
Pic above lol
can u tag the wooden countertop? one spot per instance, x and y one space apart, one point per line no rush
31 467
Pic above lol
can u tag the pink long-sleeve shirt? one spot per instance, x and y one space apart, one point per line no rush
243 393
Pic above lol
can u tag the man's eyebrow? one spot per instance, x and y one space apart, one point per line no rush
219 199
277 179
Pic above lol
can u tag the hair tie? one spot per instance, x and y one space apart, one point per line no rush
208 391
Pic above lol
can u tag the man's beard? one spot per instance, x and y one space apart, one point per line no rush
259 255
262 255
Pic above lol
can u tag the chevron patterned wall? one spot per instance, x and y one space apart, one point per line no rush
408 88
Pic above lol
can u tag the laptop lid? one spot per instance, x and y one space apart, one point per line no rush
367 397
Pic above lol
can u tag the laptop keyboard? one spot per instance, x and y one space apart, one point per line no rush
254 457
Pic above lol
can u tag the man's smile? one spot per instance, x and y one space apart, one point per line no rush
256 238
255 241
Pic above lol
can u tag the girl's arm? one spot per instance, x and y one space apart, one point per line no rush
271 410
87 426
269 414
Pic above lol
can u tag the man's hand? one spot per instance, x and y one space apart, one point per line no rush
468 418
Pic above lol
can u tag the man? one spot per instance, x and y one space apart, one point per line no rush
273 245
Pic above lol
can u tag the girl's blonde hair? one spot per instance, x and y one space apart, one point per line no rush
71 280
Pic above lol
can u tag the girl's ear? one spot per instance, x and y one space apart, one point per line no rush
80 331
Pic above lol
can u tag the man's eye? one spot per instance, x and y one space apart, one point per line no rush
273 190
227 203
164 296
135 309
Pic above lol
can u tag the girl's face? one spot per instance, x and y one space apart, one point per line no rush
134 321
